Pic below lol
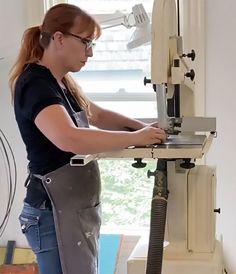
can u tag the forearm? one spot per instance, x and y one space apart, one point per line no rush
91 141
116 121
54 122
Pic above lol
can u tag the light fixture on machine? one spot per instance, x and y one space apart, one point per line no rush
139 19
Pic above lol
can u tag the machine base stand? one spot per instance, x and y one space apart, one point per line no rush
212 264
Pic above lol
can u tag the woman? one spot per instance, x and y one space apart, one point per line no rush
61 213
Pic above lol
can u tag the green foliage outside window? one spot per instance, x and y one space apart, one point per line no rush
126 193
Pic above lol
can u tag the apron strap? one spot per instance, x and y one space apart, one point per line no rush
27 180
38 176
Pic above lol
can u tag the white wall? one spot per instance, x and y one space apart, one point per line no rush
220 103
13 22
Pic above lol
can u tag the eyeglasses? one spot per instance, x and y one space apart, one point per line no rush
88 43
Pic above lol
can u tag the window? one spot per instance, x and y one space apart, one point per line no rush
117 73
126 193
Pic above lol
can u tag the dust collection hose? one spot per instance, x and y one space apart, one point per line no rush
158 220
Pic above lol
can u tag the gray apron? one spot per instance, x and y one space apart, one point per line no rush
75 196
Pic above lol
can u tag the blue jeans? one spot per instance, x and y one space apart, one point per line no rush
38 227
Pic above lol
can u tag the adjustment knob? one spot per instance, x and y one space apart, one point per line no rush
187 164
151 173
217 210
146 81
190 55
138 163
190 74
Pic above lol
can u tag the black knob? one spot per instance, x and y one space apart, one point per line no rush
187 164
190 74
146 81
138 163
150 173
217 210
190 55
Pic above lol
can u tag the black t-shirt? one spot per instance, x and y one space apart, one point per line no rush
36 88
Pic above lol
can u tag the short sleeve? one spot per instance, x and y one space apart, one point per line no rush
36 95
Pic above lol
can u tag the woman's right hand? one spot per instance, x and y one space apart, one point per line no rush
149 135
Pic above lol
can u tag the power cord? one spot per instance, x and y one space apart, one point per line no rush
11 176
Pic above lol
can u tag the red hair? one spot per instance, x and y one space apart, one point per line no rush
60 17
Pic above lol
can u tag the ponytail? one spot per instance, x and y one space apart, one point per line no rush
30 52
